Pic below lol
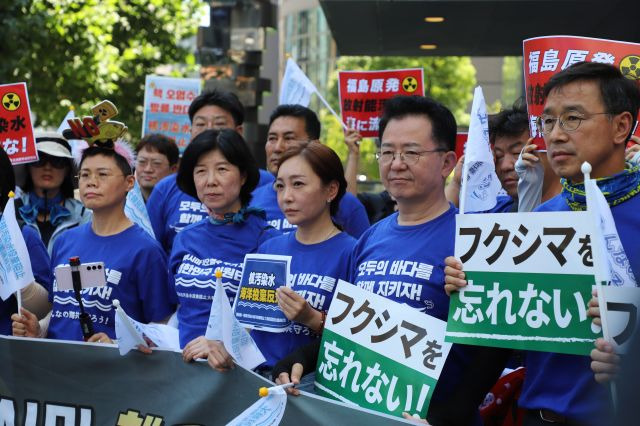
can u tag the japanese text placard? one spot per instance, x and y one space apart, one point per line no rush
363 94
530 277
16 131
380 354
545 56
256 305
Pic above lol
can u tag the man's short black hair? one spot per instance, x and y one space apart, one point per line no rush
228 101
511 122
443 123
619 94
162 144
232 146
311 122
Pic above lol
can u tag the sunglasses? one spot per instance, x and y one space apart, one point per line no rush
55 162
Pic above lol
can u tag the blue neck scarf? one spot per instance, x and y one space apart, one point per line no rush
616 189
239 217
48 206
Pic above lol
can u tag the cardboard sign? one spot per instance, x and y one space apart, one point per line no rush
166 107
546 56
16 130
256 305
530 277
363 94
380 354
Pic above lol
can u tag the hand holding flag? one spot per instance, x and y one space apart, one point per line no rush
15 266
224 327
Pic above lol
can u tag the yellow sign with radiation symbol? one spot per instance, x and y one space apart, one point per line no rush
11 101
409 84
630 67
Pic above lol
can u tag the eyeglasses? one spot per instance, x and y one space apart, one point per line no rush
101 176
142 163
408 157
569 121
55 162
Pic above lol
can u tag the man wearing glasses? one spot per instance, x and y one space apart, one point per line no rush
589 114
289 126
400 257
156 158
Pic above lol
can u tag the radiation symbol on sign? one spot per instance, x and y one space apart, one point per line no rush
630 67
409 84
11 101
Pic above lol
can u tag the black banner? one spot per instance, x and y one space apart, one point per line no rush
53 383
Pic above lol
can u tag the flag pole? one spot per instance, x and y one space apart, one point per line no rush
324 101
599 263
19 299
463 185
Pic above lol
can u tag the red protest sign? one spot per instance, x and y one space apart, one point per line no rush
461 140
16 131
546 56
363 94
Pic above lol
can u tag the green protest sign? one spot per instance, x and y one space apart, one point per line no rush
530 277
380 354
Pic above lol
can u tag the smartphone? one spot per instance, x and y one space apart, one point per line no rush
91 275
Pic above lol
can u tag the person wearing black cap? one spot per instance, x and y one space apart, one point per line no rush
47 204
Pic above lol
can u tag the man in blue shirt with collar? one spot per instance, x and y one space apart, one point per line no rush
589 114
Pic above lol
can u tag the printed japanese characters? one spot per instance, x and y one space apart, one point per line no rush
530 277
380 354
16 130
255 305
545 56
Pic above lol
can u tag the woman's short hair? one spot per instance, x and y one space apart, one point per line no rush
232 146
325 163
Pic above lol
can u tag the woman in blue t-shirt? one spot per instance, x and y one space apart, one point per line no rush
309 185
218 169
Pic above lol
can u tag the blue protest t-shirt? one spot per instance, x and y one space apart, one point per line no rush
265 178
504 204
136 271
39 259
406 264
352 216
315 271
565 383
197 252
171 210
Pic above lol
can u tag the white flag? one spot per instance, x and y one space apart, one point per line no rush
480 184
266 411
296 88
131 333
15 266
618 268
224 326
136 210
